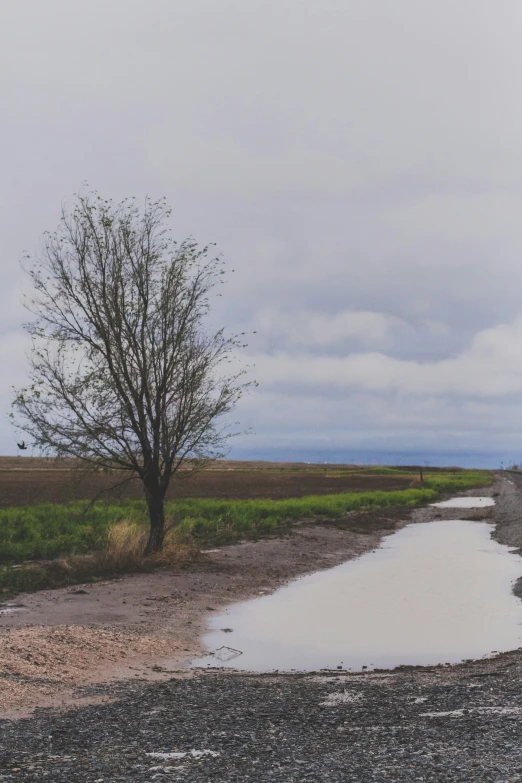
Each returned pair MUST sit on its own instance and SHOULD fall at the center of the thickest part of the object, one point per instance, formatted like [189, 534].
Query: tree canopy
[125, 372]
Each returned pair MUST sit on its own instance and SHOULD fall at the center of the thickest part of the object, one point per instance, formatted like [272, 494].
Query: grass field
[26, 481]
[52, 544]
[48, 530]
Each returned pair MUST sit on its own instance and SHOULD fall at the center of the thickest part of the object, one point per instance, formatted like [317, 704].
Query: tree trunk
[157, 521]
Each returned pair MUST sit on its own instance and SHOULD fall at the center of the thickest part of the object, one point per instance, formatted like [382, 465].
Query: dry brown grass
[126, 543]
[123, 554]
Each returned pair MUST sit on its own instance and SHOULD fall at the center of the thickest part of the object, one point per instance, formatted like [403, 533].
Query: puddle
[464, 503]
[437, 592]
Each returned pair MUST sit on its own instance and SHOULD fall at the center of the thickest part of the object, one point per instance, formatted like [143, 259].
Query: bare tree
[125, 374]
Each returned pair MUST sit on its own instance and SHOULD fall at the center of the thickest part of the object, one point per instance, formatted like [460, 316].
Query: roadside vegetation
[48, 545]
[124, 373]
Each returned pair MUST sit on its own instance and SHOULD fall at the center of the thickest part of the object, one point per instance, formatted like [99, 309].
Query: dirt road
[448, 723]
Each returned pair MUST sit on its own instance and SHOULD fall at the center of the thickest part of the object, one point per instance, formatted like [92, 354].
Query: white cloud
[380, 422]
[459, 217]
[490, 367]
[14, 346]
[315, 330]
[351, 160]
[436, 328]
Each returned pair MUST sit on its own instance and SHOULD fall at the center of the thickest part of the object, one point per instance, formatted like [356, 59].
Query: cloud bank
[358, 164]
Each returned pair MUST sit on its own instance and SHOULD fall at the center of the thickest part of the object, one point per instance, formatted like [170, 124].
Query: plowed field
[25, 481]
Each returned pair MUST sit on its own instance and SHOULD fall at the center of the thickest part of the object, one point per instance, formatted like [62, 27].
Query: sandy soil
[161, 616]
[150, 625]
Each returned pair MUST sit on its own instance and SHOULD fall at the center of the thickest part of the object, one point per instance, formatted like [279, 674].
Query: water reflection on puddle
[432, 593]
[465, 503]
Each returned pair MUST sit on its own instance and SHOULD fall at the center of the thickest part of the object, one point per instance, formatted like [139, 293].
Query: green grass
[213, 522]
[47, 531]
[458, 481]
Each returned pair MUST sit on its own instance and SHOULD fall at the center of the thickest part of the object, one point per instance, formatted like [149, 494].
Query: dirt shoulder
[437, 724]
[165, 612]
[149, 626]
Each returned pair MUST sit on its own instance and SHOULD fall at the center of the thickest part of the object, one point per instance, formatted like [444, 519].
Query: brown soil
[164, 612]
[150, 625]
[25, 481]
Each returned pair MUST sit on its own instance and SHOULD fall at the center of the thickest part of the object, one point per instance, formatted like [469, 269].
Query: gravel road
[460, 725]
[448, 723]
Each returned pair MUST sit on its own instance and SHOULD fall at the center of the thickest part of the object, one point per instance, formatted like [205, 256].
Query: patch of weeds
[122, 553]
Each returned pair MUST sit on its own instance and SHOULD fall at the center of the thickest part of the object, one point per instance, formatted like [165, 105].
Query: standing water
[437, 592]
[465, 502]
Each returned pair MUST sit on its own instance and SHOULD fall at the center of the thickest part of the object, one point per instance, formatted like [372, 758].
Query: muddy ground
[171, 606]
[447, 723]
[24, 481]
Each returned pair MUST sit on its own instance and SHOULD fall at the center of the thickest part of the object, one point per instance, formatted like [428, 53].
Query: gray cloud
[357, 163]
[490, 367]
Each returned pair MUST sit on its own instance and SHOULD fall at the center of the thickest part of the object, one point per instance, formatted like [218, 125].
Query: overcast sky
[357, 162]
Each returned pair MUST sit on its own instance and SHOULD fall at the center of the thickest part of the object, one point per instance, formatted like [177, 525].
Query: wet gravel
[359, 728]
[508, 514]
[449, 723]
